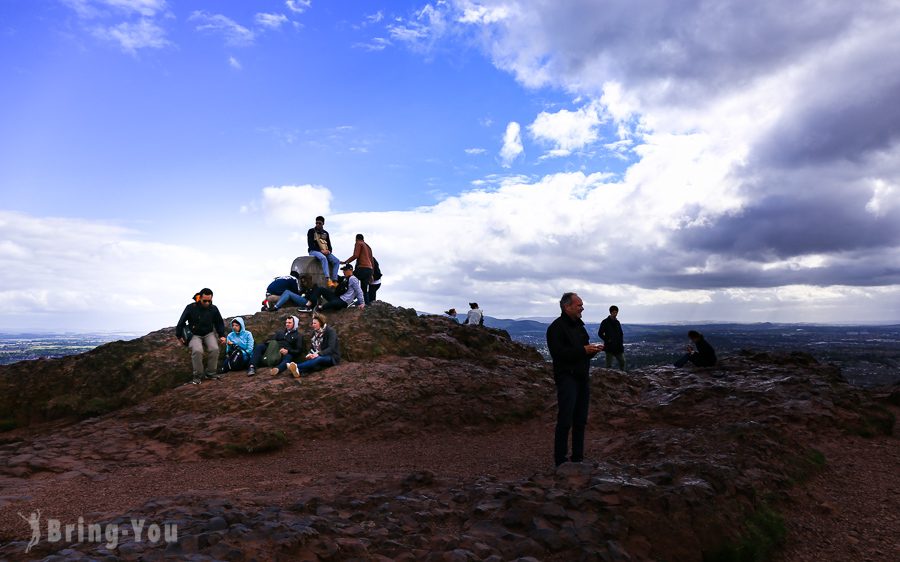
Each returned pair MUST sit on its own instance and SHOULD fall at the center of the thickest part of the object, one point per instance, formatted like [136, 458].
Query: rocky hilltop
[431, 441]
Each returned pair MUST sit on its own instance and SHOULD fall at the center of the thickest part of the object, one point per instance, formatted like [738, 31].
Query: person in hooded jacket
[290, 346]
[241, 339]
[324, 348]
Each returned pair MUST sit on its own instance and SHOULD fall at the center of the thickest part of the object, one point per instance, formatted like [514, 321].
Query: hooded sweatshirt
[242, 339]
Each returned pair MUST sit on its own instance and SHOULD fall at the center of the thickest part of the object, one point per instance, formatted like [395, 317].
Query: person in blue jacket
[239, 338]
[282, 290]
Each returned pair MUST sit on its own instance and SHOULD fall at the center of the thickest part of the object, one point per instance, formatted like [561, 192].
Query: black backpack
[376, 269]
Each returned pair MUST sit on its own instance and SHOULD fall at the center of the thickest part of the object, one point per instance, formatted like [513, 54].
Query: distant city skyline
[694, 161]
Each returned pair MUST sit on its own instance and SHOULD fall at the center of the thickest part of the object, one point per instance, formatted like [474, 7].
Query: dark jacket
[566, 338]
[201, 320]
[611, 334]
[330, 345]
[291, 341]
[705, 356]
[285, 283]
[311, 240]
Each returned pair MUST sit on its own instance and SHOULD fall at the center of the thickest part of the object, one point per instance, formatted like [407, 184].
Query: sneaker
[195, 380]
[304, 309]
[292, 367]
[251, 371]
[211, 377]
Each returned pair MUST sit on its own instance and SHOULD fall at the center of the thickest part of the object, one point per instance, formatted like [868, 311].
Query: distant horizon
[544, 320]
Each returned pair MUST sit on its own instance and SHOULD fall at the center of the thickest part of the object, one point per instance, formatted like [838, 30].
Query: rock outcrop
[688, 464]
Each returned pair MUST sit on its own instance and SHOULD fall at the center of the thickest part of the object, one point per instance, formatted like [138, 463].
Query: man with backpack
[365, 265]
[197, 329]
[289, 345]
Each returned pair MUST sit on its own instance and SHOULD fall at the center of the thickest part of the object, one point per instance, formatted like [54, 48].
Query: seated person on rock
[703, 356]
[290, 344]
[282, 290]
[238, 347]
[343, 295]
[203, 321]
[475, 317]
[308, 290]
[324, 349]
[318, 243]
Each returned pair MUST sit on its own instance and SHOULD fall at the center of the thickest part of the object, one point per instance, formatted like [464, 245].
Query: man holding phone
[571, 351]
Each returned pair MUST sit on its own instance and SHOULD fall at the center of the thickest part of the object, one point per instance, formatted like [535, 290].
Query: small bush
[764, 532]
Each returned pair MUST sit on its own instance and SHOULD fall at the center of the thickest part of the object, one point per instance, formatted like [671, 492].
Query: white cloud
[271, 21]
[144, 34]
[566, 130]
[100, 8]
[474, 151]
[234, 63]
[375, 18]
[512, 144]
[374, 44]
[234, 33]
[477, 13]
[884, 197]
[426, 27]
[283, 205]
[298, 6]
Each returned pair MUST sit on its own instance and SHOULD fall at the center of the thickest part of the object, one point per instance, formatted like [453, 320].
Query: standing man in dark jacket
[204, 321]
[571, 353]
[613, 338]
[318, 243]
[290, 345]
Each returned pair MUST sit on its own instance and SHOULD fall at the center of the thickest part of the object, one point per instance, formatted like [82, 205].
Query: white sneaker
[292, 367]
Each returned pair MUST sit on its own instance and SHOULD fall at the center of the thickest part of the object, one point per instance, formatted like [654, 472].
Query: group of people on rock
[475, 316]
[571, 352]
[344, 286]
[202, 329]
[201, 326]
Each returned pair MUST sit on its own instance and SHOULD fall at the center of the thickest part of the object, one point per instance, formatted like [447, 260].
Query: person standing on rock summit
[204, 321]
[571, 351]
[613, 338]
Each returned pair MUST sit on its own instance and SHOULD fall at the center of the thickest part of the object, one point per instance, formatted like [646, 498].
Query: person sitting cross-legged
[290, 346]
[324, 349]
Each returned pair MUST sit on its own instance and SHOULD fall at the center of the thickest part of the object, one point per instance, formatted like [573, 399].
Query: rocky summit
[430, 441]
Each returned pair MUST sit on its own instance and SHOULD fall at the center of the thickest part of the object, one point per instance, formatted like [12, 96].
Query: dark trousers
[258, 351]
[364, 274]
[695, 359]
[372, 290]
[573, 397]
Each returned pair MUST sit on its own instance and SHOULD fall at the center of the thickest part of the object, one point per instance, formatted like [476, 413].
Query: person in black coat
[197, 328]
[290, 344]
[701, 354]
[571, 352]
[613, 338]
[324, 348]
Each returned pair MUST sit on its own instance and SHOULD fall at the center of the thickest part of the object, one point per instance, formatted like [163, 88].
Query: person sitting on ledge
[318, 243]
[282, 290]
[324, 349]
[704, 356]
[475, 317]
[451, 314]
[240, 339]
[290, 342]
[343, 295]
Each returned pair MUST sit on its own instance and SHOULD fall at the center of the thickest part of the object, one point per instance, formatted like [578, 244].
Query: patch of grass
[805, 466]
[764, 532]
[8, 424]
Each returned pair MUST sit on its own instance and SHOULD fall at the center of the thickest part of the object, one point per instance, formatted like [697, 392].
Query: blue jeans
[290, 296]
[321, 361]
[330, 258]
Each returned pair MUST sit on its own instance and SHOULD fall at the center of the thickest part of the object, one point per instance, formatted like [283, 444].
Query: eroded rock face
[681, 458]
[124, 373]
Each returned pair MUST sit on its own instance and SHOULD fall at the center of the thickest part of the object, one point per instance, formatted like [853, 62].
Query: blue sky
[718, 161]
